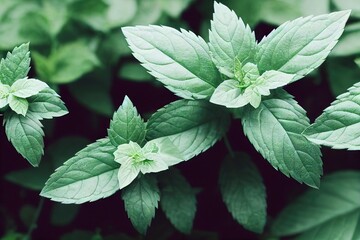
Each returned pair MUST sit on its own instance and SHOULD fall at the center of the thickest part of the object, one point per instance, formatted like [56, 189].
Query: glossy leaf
[88, 176]
[180, 60]
[178, 200]
[275, 128]
[141, 200]
[331, 212]
[300, 46]
[192, 126]
[243, 191]
[126, 125]
[338, 125]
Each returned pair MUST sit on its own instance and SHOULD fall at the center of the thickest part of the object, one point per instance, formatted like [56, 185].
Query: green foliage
[243, 191]
[331, 212]
[178, 200]
[337, 126]
[141, 200]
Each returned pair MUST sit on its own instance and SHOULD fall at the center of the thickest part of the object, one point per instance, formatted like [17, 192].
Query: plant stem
[33, 225]
[228, 146]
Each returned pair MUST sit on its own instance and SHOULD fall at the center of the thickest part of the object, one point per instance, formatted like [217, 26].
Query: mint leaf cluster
[235, 71]
[134, 149]
[24, 102]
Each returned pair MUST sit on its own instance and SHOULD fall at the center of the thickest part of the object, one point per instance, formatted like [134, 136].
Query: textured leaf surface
[338, 126]
[25, 87]
[180, 60]
[332, 211]
[26, 134]
[299, 46]
[126, 125]
[141, 200]
[178, 200]
[16, 65]
[47, 104]
[243, 191]
[192, 126]
[88, 176]
[275, 128]
[230, 39]
[18, 105]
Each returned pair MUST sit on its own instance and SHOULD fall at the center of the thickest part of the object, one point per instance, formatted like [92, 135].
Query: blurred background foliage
[78, 48]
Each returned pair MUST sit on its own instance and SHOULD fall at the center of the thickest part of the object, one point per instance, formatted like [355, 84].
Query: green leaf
[27, 87]
[145, 17]
[338, 125]
[230, 95]
[192, 126]
[348, 43]
[120, 12]
[18, 105]
[16, 65]
[26, 134]
[4, 93]
[187, 69]
[230, 39]
[300, 46]
[126, 125]
[243, 191]
[329, 213]
[178, 200]
[93, 91]
[275, 128]
[47, 104]
[276, 12]
[141, 199]
[88, 176]
[62, 67]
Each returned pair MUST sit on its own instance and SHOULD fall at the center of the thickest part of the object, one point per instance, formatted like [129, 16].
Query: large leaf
[88, 176]
[329, 213]
[47, 104]
[275, 128]
[178, 200]
[299, 46]
[230, 39]
[26, 134]
[141, 200]
[16, 65]
[338, 126]
[192, 126]
[180, 60]
[243, 191]
[126, 125]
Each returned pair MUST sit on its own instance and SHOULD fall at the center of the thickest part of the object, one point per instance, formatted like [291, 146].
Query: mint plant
[230, 77]
[24, 102]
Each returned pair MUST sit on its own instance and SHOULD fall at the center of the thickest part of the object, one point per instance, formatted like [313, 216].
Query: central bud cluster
[246, 74]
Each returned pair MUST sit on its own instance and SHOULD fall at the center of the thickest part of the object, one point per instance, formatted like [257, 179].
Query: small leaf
[230, 95]
[26, 135]
[192, 126]
[18, 105]
[126, 125]
[300, 46]
[4, 93]
[178, 200]
[180, 60]
[24, 88]
[141, 199]
[174, 8]
[127, 173]
[329, 213]
[275, 128]
[16, 65]
[243, 191]
[338, 125]
[88, 176]
[47, 104]
[230, 39]
[134, 72]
